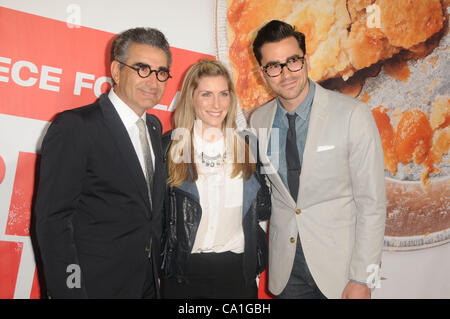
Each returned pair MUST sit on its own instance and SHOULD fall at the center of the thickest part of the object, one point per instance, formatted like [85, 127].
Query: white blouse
[220, 228]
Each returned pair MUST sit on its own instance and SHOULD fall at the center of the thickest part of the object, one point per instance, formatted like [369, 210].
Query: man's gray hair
[148, 36]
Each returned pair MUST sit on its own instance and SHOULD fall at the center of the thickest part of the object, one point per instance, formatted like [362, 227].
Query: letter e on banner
[4, 69]
[45, 78]
[15, 73]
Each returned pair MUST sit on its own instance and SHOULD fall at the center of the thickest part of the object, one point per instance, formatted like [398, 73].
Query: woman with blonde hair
[213, 244]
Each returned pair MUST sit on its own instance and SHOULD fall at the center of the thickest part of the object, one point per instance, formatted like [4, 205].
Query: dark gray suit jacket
[92, 207]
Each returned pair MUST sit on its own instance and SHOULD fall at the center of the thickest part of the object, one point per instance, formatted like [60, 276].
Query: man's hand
[354, 290]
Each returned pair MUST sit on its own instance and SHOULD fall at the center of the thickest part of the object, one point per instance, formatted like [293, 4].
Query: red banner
[47, 66]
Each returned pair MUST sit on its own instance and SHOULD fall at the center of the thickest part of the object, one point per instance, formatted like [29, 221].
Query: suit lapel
[125, 147]
[154, 130]
[317, 123]
[277, 183]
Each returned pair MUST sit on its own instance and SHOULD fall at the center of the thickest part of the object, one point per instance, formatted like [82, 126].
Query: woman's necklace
[213, 161]
[212, 154]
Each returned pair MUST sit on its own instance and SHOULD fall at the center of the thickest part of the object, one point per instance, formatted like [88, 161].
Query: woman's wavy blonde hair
[184, 118]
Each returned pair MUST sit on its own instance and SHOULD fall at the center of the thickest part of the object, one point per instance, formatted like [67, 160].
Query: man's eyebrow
[272, 62]
[162, 68]
[140, 63]
[288, 58]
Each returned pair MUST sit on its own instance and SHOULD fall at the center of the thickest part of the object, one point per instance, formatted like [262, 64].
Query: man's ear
[115, 71]
[308, 64]
[262, 75]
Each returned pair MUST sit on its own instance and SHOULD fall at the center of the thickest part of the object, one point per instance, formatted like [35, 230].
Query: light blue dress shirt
[281, 123]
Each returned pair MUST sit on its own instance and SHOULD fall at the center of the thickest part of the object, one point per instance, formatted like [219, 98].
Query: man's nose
[151, 80]
[283, 71]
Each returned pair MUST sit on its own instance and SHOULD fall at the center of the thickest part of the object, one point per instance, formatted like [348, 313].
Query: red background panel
[35, 290]
[263, 290]
[22, 196]
[44, 41]
[47, 42]
[10, 253]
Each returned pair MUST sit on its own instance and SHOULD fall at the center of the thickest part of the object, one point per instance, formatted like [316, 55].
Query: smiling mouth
[214, 114]
[289, 84]
[148, 93]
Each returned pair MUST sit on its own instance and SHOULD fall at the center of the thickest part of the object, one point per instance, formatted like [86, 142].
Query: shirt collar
[126, 114]
[305, 107]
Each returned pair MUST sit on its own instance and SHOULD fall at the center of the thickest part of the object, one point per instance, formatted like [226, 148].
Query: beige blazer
[341, 206]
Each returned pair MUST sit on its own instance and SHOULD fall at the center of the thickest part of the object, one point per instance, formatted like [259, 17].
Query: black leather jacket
[182, 218]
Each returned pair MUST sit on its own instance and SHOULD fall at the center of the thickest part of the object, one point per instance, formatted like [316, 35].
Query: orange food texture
[365, 97]
[412, 140]
[441, 145]
[387, 135]
[398, 69]
[244, 24]
[414, 137]
[440, 113]
[409, 22]
[365, 45]
[339, 38]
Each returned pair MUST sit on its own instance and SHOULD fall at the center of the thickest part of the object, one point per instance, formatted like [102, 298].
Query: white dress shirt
[129, 119]
[220, 228]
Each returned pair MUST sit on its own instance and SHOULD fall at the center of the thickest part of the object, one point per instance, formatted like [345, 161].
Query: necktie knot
[291, 119]
[141, 125]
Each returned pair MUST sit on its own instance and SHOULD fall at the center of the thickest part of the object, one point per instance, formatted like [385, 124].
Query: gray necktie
[147, 156]
[292, 157]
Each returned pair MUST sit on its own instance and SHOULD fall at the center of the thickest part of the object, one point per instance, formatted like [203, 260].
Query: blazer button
[298, 211]
[292, 239]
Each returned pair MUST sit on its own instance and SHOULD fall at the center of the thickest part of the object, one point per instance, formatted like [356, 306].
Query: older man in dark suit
[99, 201]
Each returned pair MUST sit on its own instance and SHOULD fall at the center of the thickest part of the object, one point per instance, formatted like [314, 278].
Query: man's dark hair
[275, 31]
[148, 36]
